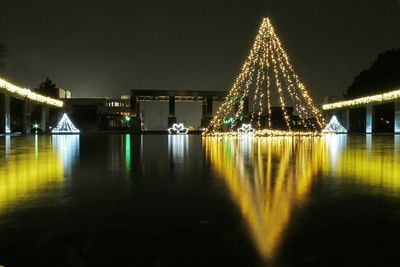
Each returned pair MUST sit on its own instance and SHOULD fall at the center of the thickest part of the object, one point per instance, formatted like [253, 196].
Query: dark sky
[107, 48]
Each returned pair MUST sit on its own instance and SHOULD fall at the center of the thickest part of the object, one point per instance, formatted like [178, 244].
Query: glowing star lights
[268, 78]
[246, 129]
[65, 126]
[334, 126]
[178, 129]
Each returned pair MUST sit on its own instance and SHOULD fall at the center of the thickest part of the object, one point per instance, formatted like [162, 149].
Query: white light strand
[23, 92]
[246, 129]
[65, 126]
[178, 129]
[334, 126]
[389, 96]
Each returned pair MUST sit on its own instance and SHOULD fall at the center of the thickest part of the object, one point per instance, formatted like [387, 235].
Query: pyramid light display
[334, 126]
[268, 78]
[65, 126]
[178, 128]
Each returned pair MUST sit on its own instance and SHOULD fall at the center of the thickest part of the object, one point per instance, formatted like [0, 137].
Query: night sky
[107, 48]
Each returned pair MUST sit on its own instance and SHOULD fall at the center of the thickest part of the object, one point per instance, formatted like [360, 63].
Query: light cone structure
[334, 126]
[65, 126]
[268, 94]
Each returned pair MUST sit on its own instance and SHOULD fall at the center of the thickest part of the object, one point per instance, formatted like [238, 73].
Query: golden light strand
[267, 60]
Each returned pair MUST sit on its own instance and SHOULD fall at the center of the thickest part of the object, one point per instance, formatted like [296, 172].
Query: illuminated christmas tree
[65, 126]
[334, 126]
[268, 93]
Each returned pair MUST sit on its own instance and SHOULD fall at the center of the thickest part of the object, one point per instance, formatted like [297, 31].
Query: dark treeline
[47, 88]
[383, 75]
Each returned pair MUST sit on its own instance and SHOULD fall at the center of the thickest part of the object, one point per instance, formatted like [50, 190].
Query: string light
[393, 95]
[246, 129]
[178, 128]
[266, 68]
[264, 133]
[65, 126]
[23, 92]
[334, 126]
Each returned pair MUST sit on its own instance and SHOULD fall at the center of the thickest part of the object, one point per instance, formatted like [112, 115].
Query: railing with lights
[380, 98]
[24, 92]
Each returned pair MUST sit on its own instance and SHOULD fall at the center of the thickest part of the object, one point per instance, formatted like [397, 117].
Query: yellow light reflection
[25, 170]
[373, 163]
[267, 178]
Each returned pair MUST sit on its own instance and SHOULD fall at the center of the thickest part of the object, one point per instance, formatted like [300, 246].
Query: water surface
[157, 200]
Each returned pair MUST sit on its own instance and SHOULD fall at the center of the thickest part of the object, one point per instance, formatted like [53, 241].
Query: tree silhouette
[48, 88]
[383, 75]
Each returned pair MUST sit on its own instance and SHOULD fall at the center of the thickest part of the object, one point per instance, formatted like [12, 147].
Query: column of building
[5, 117]
[369, 119]
[397, 117]
[136, 125]
[26, 116]
[171, 113]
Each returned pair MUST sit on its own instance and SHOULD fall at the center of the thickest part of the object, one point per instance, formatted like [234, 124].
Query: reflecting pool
[158, 200]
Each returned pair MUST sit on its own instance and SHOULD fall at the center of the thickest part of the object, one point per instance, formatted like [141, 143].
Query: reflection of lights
[263, 133]
[178, 128]
[29, 94]
[334, 126]
[178, 146]
[366, 164]
[335, 144]
[36, 145]
[246, 129]
[267, 178]
[65, 126]
[397, 140]
[67, 147]
[36, 126]
[7, 145]
[24, 172]
[127, 151]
